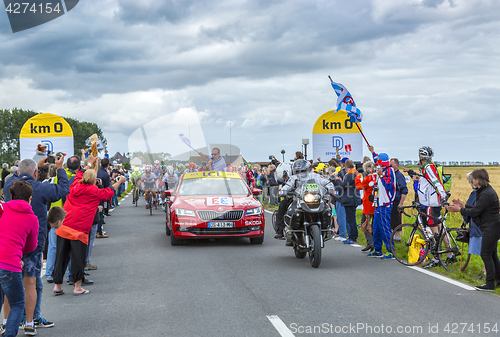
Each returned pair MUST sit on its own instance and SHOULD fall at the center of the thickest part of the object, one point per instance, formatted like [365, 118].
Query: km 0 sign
[46, 128]
[332, 130]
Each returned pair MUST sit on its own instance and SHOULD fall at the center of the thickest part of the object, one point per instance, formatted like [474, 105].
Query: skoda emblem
[220, 209]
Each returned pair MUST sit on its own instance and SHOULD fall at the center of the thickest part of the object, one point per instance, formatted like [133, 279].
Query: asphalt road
[146, 287]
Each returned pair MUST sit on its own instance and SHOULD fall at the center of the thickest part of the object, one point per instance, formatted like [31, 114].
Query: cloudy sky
[423, 72]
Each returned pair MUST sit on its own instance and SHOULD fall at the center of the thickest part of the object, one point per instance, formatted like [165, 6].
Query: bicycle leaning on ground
[417, 241]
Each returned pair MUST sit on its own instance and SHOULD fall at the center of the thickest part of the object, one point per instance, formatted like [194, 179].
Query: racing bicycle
[136, 196]
[416, 241]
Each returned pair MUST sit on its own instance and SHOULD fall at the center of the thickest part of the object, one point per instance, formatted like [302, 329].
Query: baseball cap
[382, 159]
[343, 160]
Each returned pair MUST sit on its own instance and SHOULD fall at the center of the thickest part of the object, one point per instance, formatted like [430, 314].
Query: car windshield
[210, 186]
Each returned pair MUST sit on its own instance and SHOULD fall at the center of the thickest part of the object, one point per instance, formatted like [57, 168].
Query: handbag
[463, 234]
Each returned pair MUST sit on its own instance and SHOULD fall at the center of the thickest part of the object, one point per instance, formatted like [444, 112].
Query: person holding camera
[43, 194]
[73, 235]
[273, 184]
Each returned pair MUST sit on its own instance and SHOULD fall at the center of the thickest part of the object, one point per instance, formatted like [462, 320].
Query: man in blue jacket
[349, 199]
[43, 194]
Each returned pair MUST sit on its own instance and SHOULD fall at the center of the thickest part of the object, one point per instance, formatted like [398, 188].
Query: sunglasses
[214, 154]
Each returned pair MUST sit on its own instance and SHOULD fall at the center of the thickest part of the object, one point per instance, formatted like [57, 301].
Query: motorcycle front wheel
[315, 249]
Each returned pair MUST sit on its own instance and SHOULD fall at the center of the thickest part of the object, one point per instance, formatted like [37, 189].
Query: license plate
[213, 224]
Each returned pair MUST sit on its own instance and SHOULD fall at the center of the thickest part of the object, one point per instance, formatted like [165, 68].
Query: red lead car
[214, 205]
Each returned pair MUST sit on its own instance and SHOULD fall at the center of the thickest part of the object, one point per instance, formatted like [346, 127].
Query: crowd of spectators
[38, 196]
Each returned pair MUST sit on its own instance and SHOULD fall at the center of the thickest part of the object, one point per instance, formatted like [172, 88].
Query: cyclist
[431, 194]
[170, 179]
[149, 184]
[136, 179]
[156, 168]
[191, 168]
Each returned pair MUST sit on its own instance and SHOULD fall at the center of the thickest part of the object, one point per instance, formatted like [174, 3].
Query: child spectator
[56, 216]
[18, 236]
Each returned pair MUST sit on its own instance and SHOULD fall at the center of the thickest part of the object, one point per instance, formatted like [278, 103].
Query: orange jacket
[367, 185]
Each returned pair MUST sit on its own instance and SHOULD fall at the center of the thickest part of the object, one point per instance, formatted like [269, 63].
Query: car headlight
[254, 211]
[309, 197]
[184, 212]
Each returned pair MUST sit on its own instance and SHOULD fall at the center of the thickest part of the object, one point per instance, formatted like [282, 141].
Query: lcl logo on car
[26, 14]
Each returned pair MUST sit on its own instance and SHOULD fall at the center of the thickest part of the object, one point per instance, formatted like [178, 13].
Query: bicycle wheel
[460, 251]
[403, 250]
[136, 196]
[150, 203]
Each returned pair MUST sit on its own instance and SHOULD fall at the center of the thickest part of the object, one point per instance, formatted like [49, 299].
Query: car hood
[200, 202]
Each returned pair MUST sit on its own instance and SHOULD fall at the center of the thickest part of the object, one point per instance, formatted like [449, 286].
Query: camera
[270, 157]
[50, 157]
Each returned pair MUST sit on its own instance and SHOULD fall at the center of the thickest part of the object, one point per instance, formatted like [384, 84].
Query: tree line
[12, 121]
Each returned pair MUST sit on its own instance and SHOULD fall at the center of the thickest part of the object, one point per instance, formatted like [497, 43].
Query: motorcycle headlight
[309, 197]
[254, 211]
[184, 212]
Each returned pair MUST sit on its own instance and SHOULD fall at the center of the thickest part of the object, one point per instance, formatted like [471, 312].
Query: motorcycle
[308, 221]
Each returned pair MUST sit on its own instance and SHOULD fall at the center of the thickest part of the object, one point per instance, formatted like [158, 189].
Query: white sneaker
[338, 238]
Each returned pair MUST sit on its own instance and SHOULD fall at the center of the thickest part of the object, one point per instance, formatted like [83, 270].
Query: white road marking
[280, 326]
[430, 273]
[443, 278]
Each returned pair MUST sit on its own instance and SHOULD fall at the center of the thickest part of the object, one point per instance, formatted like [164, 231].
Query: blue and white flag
[346, 102]
[185, 139]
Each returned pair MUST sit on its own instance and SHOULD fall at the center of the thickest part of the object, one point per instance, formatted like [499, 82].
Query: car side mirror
[256, 191]
[169, 192]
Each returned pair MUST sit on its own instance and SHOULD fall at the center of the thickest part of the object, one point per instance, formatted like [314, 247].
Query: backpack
[416, 247]
[445, 178]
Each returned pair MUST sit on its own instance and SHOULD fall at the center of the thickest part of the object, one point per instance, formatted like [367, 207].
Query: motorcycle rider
[301, 171]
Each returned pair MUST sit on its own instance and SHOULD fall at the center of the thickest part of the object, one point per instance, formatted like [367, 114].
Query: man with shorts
[149, 184]
[136, 182]
[431, 194]
[43, 194]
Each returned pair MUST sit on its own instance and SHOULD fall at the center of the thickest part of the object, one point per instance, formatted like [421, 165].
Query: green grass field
[460, 190]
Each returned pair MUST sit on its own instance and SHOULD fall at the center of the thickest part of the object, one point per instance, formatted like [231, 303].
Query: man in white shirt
[216, 163]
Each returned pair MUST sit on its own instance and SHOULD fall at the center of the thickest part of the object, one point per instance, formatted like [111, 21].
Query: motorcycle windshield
[307, 184]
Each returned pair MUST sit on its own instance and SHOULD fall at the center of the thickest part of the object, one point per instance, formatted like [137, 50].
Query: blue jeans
[93, 231]
[114, 199]
[101, 222]
[11, 284]
[51, 253]
[341, 220]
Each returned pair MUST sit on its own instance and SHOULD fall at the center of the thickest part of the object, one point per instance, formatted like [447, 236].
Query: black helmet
[300, 165]
[425, 152]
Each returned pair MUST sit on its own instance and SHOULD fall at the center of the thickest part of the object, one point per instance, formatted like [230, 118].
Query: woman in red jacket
[366, 182]
[73, 235]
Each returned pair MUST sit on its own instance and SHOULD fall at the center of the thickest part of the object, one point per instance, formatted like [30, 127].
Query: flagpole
[362, 134]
